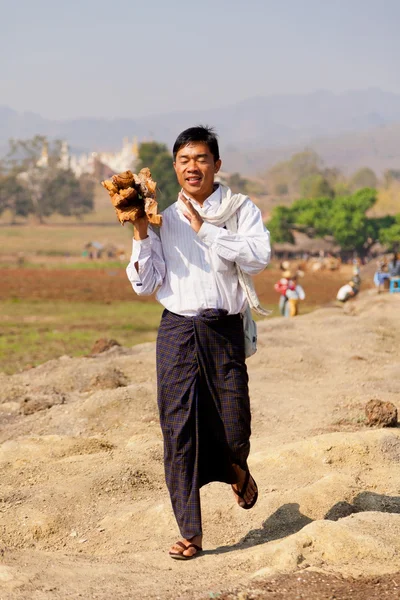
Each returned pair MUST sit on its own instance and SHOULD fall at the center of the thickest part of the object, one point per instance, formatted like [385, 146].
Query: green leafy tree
[350, 225]
[69, 196]
[390, 236]
[281, 224]
[344, 217]
[167, 184]
[313, 215]
[381, 223]
[14, 197]
[156, 157]
[149, 151]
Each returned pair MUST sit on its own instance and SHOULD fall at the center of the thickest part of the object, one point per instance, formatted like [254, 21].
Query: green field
[43, 262]
[32, 332]
[57, 263]
[59, 240]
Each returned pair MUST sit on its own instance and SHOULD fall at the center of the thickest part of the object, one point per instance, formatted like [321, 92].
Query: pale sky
[124, 58]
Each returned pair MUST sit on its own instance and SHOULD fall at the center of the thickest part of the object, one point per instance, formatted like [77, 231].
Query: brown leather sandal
[181, 556]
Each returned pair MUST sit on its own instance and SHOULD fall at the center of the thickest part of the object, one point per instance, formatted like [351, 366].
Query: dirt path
[83, 506]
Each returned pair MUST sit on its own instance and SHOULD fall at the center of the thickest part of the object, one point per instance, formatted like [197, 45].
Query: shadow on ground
[288, 519]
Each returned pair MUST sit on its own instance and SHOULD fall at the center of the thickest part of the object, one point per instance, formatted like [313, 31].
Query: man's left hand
[191, 214]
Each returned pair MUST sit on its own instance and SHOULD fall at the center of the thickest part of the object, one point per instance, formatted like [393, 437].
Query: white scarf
[226, 214]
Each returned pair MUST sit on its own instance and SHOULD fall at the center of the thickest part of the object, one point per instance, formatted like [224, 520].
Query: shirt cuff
[141, 249]
[209, 233]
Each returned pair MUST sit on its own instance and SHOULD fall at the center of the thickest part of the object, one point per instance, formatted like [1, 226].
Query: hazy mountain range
[349, 130]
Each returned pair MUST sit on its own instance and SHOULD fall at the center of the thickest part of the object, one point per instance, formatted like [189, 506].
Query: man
[347, 291]
[197, 265]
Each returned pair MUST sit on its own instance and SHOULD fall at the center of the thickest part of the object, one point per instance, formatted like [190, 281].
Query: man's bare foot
[186, 547]
[251, 489]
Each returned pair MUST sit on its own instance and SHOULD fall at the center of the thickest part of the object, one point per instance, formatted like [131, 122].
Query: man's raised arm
[146, 269]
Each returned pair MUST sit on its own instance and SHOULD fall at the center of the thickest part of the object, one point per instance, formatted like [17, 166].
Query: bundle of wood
[133, 196]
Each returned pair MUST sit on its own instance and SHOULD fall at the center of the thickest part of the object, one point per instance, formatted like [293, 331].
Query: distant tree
[341, 188]
[243, 185]
[149, 151]
[333, 176]
[156, 157]
[67, 195]
[285, 177]
[390, 236]
[35, 183]
[390, 176]
[24, 154]
[167, 184]
[278, 179]
[27, 188]
[14, 197]
[315, 186]
[254, 187]
[382, 223]
[343, 217]
[304, 164]
[363, 178]
[237, 183]
[280, 225]
[313, 215]
[281, 189]
[349, 223]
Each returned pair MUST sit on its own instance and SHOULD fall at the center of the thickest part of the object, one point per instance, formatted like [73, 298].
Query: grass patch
[69, 264]
[61, 240]
[32, 332]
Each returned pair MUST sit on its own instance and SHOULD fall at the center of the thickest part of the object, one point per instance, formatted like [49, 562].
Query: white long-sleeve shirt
[193, 271]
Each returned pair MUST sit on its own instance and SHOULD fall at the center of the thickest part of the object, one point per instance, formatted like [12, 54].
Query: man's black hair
[201, 133]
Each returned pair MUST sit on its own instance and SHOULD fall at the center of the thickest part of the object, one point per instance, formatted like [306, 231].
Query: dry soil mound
[83, 506]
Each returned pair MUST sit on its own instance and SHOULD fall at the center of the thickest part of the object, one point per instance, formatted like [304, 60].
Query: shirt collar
[212, 200]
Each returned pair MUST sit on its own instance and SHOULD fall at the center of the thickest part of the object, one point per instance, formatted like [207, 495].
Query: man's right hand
[140, 228]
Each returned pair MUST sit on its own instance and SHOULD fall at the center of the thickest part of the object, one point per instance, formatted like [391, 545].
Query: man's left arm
[250, 247]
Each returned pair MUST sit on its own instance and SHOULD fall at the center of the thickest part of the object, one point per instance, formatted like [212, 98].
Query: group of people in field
[291, 292]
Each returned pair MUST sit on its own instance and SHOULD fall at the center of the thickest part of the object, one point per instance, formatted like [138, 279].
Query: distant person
[285, 265]
[210, 243]
[347, 291]
[294, 296]
[381, 275]
[394, 265]
[356, 278]
[282, 286]
[290, 294]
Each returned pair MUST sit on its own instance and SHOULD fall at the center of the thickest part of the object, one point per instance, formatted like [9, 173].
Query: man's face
[195, 169]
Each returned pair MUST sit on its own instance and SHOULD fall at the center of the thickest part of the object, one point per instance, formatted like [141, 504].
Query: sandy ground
[83, 507]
